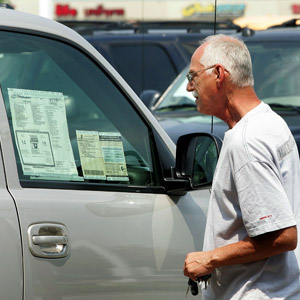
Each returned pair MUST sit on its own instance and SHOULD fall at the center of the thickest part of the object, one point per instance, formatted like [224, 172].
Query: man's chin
[199, 104]
[201, 110]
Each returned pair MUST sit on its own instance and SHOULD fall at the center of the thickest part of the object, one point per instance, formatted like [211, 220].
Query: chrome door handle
[48, 240]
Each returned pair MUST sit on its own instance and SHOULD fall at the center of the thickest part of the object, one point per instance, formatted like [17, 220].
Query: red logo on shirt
[265, 217]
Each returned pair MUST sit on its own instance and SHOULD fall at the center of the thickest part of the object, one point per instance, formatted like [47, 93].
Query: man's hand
[197, 264]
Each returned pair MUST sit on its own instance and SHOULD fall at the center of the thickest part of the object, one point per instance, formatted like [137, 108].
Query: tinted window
[69, 121]
[144, 67]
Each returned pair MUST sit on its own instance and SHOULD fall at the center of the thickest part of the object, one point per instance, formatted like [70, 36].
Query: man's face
[201, 83]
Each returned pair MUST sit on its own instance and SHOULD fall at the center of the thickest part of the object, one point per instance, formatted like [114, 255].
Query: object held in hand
[205, 280]
[193, 285]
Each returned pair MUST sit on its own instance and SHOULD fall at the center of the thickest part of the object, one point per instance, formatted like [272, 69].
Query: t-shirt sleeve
[262, 199]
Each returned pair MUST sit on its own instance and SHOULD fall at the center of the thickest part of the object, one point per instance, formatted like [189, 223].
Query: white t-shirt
[256, 189]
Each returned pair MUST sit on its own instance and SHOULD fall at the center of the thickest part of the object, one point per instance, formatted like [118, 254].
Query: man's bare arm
[248, 250]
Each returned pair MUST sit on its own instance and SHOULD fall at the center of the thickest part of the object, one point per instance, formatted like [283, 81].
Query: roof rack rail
[290, 23]
[246, 31]
[189, 26]
[89, 27]
[6, 5]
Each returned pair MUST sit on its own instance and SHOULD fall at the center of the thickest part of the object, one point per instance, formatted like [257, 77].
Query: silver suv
[93, 203]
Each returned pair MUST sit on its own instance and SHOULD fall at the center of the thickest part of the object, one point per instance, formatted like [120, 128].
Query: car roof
[25, 22]
[273, 34]
[12, 18]
[91, 27]
[142, 37]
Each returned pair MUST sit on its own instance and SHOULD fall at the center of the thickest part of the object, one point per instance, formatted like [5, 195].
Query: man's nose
[190, 86]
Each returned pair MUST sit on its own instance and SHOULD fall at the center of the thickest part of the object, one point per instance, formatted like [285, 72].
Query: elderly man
[250, 244]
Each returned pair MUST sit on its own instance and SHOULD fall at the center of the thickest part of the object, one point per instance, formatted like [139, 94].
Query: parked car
[93, 203]
[148, 55]
[275, 56]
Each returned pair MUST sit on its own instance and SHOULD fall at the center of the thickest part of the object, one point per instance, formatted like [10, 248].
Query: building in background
[247, 12]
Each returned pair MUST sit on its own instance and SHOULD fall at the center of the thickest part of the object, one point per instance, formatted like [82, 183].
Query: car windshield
[177, 97]
[275, 69]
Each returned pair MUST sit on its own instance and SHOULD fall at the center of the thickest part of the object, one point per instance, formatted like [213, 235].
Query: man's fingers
[189, 269]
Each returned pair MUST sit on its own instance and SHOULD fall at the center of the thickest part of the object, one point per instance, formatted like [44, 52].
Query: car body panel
[120, 244]
[11, 283]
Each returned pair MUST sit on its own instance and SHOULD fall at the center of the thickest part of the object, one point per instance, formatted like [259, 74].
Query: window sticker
[35, 148]
[92, 162]
[41, 134]
[113, 153]
[102, 155]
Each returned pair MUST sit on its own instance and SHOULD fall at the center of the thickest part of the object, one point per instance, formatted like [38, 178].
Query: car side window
[70, 122]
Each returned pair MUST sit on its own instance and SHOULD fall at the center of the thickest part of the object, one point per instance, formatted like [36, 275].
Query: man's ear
[220, 74]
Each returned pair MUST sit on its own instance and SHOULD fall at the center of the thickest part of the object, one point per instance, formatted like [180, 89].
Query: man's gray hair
[233, 54]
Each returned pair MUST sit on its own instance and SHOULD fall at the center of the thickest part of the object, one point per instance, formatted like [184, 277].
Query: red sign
[65, 10]
[296, 8]
[100, 10]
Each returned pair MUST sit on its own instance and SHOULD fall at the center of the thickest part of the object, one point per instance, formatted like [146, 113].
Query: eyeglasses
[190, 75]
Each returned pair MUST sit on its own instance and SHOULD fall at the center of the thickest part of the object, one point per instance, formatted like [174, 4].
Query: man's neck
[239, 103]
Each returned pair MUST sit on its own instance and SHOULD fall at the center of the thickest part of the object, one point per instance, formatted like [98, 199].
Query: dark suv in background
[275, 55]
[148, 55]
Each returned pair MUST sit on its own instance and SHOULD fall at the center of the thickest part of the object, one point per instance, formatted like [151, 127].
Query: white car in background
[94, 204]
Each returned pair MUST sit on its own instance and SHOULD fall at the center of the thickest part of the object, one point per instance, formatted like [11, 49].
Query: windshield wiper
[285, 107]
[186, 106]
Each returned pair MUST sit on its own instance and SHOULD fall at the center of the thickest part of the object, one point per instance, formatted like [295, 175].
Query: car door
[83, 166]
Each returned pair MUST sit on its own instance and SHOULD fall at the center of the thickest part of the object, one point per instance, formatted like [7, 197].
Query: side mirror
[150, 97]
[196, 159]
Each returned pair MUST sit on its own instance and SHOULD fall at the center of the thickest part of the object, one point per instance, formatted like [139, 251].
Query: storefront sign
[199, 10]
[64, 10]
[101, 11]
